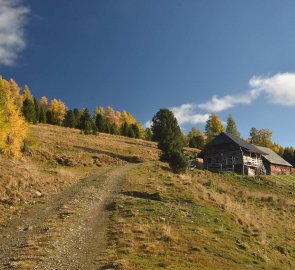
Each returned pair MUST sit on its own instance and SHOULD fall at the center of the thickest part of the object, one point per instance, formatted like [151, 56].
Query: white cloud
[279, 89]
[186, 114]
[217, 104]
[13, 17]
[147, 124]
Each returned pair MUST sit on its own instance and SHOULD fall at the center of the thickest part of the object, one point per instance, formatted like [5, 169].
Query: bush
[178, 162]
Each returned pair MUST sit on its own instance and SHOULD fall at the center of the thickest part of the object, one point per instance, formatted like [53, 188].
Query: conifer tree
[44, 102]
[37, 109]
[125, 129]
[198, 141]
[15, 90]
[100, 123]
[27, 94]
[213, 127]
[49, 118]
[42, 116]
[131, 133]
[77, 114]
[167, 132]
[13, 128]
[70, 120]
[28, 110]
[136, 131]
[231, 126]
[85, 122]
[59, 111]
[114, 129]
[148, 134]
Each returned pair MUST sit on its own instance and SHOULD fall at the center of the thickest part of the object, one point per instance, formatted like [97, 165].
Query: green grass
[202, 220]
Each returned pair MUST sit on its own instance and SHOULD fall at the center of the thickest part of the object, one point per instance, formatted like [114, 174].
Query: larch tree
[44, 102]
[27, 94]
[261, 137]
[213, 127]
[13, 127]
[231, 126]
[15, 90]
[59, 111]
[197, 138]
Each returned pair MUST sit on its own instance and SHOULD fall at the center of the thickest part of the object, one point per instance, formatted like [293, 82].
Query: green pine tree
[37, 109]
[168, 134]
[231, 127]
[28, 110]
[49, 118]
[85, 122]
[100, 122]
[125, 129]
[148, 134]
[77, 114]
[42, 116]
[136, 131]
[70, 120]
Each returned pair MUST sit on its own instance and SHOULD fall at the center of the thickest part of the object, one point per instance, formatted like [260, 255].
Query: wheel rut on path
[66, 231]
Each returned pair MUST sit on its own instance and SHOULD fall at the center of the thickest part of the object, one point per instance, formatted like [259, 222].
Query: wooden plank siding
[230, 157]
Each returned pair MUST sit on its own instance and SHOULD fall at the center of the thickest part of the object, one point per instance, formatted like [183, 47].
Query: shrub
[178, 162]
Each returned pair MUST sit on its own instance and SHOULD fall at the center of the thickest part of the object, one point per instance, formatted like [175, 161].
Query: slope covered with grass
[57, 157]
[202, 220]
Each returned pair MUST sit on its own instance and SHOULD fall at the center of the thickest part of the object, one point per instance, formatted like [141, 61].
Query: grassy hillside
[202, 220]
[57, 157]
[160, 220]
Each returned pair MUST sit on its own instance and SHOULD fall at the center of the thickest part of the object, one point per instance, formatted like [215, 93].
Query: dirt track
[66, 231]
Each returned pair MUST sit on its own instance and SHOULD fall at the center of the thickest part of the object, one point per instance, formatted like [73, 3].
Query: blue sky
[195, 57]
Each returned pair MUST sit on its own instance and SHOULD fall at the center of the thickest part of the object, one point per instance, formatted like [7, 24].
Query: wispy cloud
[186, 113]
[277, 89]
[13, 18]
[218, 104]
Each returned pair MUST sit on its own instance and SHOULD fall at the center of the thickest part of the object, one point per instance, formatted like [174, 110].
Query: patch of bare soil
[66, 231]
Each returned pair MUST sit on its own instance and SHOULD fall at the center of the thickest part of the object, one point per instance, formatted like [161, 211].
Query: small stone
[38, 193]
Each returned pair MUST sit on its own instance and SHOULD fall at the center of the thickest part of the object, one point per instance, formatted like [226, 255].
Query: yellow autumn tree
[59, 111]
[27, 94]
[44, 102]
[13, 127]
[110, 115]
[15, 91]
[99, 110]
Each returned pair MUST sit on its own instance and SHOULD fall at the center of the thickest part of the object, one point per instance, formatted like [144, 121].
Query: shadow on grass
[130, 159]
[143, 195]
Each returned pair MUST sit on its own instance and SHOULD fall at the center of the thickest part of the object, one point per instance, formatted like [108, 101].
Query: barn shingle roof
[273, 157]
[224, 137]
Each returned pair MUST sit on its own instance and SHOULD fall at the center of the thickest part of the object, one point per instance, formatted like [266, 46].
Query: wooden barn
[273, 163]
[230, 153]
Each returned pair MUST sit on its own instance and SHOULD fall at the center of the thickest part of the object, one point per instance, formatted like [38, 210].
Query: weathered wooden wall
[279, 169]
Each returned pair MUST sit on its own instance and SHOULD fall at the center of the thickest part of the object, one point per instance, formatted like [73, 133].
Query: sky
[193, 57]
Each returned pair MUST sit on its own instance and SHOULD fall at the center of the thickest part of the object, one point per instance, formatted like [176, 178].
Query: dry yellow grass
[57, 157]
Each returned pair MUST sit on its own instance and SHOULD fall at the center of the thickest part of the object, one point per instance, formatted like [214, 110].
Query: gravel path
[66, 231]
